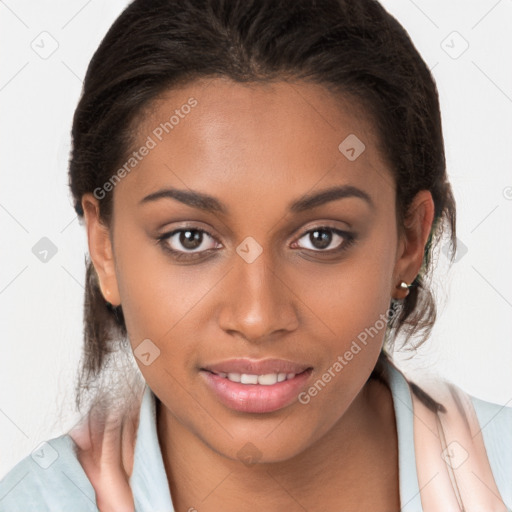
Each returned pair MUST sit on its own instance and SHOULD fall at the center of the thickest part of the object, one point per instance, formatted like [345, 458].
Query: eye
[187, 242]
[191, 243]
[322, 237]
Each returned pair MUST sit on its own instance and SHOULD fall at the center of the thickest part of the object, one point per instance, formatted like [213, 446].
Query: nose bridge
[257, 301]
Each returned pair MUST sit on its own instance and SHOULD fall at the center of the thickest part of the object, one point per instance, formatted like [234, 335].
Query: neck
[355, 465]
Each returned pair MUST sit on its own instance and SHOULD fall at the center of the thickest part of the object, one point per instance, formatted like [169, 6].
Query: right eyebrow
[190, 198]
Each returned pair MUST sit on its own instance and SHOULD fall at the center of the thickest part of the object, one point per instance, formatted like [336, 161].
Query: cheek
[146, 285]
[351, 296]
[161, 300]
[351, 305]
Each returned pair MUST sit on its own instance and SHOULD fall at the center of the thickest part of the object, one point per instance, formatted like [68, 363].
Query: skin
[257, 148]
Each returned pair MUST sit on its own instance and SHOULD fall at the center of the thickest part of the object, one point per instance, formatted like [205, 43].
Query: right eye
[184, 243]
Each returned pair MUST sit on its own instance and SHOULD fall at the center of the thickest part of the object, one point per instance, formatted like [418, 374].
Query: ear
[411, 245]
[100, 249]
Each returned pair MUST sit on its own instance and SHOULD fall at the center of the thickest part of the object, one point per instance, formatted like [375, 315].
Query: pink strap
[105, 448]
[454, 473]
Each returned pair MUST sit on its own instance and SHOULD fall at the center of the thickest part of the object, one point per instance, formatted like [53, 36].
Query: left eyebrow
[310, 201]
[307, 202]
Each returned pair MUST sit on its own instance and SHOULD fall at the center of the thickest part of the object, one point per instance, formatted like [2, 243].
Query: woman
[263, 186]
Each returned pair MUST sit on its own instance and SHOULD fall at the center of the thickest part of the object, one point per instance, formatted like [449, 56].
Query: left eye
[322, 237]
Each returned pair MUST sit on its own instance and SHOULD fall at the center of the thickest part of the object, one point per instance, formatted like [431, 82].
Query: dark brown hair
[355, 48]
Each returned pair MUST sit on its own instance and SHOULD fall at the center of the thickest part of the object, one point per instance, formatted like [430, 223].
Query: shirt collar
[148, 480]
[410, 500]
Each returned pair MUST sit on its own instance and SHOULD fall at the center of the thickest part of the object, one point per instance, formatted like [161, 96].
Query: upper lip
[256, 366]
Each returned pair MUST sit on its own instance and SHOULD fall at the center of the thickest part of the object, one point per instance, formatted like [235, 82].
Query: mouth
[256, 393]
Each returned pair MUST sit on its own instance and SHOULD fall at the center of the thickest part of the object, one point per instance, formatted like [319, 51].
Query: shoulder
[49, 479]
[493, 418]
[491, 421]
[496, 428]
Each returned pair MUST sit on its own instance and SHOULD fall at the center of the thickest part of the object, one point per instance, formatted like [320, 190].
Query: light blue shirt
[52, 479]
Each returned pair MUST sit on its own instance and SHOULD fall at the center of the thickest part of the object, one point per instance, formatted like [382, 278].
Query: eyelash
[350, 239]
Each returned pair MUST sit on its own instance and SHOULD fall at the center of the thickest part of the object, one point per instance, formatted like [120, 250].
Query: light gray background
[41, 303]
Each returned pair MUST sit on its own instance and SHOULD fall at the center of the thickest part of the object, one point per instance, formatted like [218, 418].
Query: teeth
[248, 379]
[265, 380]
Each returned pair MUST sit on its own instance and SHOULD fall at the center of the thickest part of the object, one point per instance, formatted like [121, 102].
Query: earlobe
[416, 229]
[100, 249]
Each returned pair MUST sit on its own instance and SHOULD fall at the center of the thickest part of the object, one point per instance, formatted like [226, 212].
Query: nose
[257, 300]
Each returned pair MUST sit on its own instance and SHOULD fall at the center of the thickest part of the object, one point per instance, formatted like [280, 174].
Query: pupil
[322, 241]
[189, 239]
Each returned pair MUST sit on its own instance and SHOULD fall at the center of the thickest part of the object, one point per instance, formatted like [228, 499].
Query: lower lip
[256, 397]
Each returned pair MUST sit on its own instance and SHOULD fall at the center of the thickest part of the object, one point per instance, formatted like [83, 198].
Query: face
[294, 255]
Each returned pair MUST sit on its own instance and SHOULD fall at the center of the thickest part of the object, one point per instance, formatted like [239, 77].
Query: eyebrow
[209, 203]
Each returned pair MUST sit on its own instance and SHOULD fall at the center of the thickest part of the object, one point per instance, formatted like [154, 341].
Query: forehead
[254, 138]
